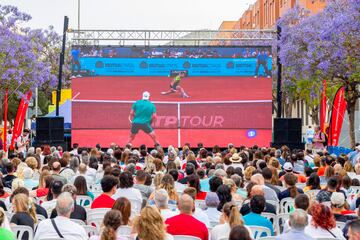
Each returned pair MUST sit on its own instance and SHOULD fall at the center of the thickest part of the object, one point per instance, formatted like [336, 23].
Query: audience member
[108, 186]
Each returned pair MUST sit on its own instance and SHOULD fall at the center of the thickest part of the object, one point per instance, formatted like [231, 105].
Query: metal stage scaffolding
[174, 37]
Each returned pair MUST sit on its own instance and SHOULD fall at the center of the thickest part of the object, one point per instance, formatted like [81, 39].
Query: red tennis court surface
[199, 88]
[237, 105]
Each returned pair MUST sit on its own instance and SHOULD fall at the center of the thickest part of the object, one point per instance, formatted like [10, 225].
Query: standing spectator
[61, 226]
[319, 139]
[323, 224]
[298, 221]
[309, 135]
[185, 223]
[254, 218]
[105, 200]
[111, 223]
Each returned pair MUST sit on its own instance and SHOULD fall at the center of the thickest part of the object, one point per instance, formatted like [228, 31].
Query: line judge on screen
[142, 114]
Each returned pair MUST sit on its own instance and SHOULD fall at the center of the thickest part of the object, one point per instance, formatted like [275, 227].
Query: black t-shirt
[184, 180]
[78, 213]
[40, 210]
[7, 180]
[23, 218]
[269, 208]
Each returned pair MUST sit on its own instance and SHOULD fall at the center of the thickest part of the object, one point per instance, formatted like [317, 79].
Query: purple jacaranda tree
[28, 58]
[323, 46]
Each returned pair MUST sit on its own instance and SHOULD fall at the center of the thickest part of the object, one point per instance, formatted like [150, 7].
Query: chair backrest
[280, 221]
[258, 231]
[200, 204]
[340, 225]
[270, 216]
[96, 187]
[312, 194]
[328, 239]
[287, 205]
[52, 239]
[9, 215]
[124, 230]
[78, 221]
[268, 238]
[95, 216]
[213, 224]
[223, 238]
[20, 230]
[185, 237]
[300, 185]
[83, 200]
[40, 217]
[275, 204]
[7, 190]
[135, 205]
[90, 230]
[355, 190]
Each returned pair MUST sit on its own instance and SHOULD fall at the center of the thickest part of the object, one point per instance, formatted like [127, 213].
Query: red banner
[5, 119]
[20, 116]
[337, 117]
[323, 108]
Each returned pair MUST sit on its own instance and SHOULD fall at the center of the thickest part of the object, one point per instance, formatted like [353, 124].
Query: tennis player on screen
[142, 114]
[175, 86]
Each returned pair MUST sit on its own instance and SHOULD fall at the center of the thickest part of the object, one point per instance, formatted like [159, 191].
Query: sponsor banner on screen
[122, 61]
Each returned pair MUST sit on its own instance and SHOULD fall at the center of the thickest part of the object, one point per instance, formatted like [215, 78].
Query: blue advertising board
[163, 66]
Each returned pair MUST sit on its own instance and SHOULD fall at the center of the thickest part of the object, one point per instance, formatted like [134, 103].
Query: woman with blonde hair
[110, 225]
[229, 219]
[25, 212]
[235, 196]
[275, 177]
[167, 183]
[150, 225]
[157, 179]
[248, 172]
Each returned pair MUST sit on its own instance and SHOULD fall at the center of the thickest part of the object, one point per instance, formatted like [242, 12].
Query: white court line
[164, 102]
[73, 99]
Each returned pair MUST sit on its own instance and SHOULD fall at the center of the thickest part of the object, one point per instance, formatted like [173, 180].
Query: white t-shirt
[49, 205]
[201, 216]
[213, 214]
[69, 229]
[132, 194]
[167, 213]
[323, 233]
[223, 231]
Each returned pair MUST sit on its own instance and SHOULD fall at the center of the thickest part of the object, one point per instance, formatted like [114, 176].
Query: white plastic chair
[340, 225]
[135, 205]
[287, 205]
[258, 231]
[7, 190]
[9, 215]
[271, 217]
[280, 221]
[95, 216]
[300, 185]
[268, 238]
[355, 190]
[281, 188]
[78, 221]
[95, 187]
[90, 230]
[312, 194]
[124, 231]
[83, 200]
[275, 204]
[213, 224]
[20, 230]
[223, 238]
[185, 237]
[200, 204]
[52, 239]
[40, 217]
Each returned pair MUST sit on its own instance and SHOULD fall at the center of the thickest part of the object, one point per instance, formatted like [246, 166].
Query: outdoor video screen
[213, 95]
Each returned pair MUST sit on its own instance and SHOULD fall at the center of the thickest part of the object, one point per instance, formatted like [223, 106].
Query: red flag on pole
[5, 119]
[20, 116]
[323, 108]
[337, 117]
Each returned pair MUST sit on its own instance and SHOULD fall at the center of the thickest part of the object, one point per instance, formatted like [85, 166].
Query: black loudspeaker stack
[50, 131]
[287, 131]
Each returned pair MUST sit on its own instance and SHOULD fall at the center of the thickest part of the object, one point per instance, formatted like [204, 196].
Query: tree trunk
[350, 107]
[314, 112]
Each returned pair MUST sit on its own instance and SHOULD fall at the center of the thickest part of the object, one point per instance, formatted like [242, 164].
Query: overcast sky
[132, 14]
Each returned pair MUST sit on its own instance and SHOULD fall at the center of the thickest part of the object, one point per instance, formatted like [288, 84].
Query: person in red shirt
[108, 185]
[194, 181]
[185, 223]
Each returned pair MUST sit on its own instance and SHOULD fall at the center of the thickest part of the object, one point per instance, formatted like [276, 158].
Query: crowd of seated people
[134, 193]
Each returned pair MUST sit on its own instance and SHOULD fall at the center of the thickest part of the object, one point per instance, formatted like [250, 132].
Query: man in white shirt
[161, 199]
[22, 142]
[75, 151]
[61, 226]
[128, 191]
